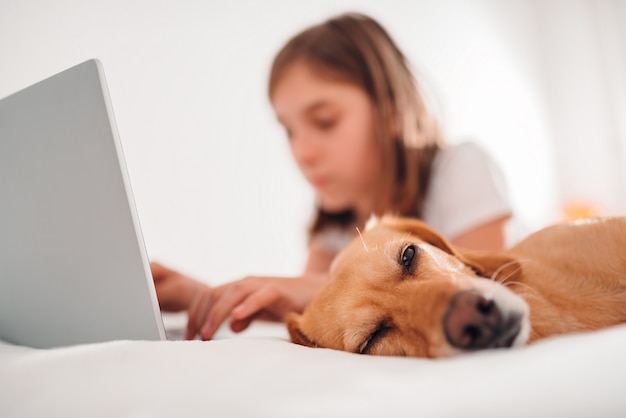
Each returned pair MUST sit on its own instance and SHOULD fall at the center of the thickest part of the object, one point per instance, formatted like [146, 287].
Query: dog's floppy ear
[295, 332]
[491, 265]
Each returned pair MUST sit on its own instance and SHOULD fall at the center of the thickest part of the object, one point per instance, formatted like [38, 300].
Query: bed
[259, 373]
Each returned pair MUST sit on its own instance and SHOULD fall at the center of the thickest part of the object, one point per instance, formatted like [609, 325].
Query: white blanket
[261, 374]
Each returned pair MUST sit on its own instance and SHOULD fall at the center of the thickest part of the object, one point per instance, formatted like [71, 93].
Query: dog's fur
[402, 289]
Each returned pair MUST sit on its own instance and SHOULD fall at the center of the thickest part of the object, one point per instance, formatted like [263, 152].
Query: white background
[540, 83]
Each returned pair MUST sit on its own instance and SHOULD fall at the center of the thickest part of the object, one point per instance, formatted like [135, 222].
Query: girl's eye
[325, 124]
[408, 257]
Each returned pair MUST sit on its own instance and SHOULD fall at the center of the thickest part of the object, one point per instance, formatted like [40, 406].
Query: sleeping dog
[402, 289]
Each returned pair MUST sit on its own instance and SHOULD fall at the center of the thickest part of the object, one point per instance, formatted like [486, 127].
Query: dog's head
[402, 289]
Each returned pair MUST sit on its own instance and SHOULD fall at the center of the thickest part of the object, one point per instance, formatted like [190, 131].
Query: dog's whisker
[501, 269]
[511, 274]
[494, 276]
[362, 240]
[520, 284]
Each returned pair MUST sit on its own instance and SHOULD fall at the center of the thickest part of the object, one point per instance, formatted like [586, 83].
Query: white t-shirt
[467, 189]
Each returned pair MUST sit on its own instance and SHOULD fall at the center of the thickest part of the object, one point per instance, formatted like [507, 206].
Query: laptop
[73, 265]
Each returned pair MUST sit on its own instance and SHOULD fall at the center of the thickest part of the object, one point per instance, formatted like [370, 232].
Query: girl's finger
[221, 309]
[198, 311]
[255, 302]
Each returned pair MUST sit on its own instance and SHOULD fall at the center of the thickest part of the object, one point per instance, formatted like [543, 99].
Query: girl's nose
[304, 150]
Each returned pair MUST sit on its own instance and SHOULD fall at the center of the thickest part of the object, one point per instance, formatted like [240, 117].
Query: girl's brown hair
[356, 48]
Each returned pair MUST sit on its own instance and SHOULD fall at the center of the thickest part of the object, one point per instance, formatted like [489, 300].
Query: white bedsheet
[261, 374]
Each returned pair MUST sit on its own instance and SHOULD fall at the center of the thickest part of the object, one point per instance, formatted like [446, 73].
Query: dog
[401, 289]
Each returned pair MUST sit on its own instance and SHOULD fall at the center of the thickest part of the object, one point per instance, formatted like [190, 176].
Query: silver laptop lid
[73, 266]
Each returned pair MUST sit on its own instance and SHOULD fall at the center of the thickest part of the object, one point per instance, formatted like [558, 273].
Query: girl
[361, 135]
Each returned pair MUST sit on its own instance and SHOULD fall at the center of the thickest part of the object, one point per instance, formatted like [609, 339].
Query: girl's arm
[244, 300]
[256, 297]
[319, 260]
[175, 291]
[487, 237]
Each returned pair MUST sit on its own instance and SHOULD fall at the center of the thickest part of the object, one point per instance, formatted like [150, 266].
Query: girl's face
[331, 130]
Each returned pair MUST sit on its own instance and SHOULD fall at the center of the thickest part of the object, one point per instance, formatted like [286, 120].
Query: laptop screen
[73, 266]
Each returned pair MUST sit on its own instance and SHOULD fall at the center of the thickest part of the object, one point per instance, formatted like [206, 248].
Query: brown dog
[402, 289]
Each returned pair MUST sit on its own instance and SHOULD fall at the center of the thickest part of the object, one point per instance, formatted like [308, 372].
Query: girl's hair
[355, 48]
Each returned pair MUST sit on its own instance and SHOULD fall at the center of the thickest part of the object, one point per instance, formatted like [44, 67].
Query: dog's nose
[474, 321]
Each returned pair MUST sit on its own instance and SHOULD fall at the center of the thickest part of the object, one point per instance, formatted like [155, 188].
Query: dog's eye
[407, 258]
[382, 329]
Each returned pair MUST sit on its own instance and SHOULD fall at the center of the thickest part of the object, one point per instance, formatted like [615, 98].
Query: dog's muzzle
[474, 321]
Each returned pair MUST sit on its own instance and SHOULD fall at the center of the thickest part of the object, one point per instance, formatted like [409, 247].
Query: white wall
[583, 50]
[216, 190]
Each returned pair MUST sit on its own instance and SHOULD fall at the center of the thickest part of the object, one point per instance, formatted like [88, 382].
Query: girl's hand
[245, 300]
[174, 290]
